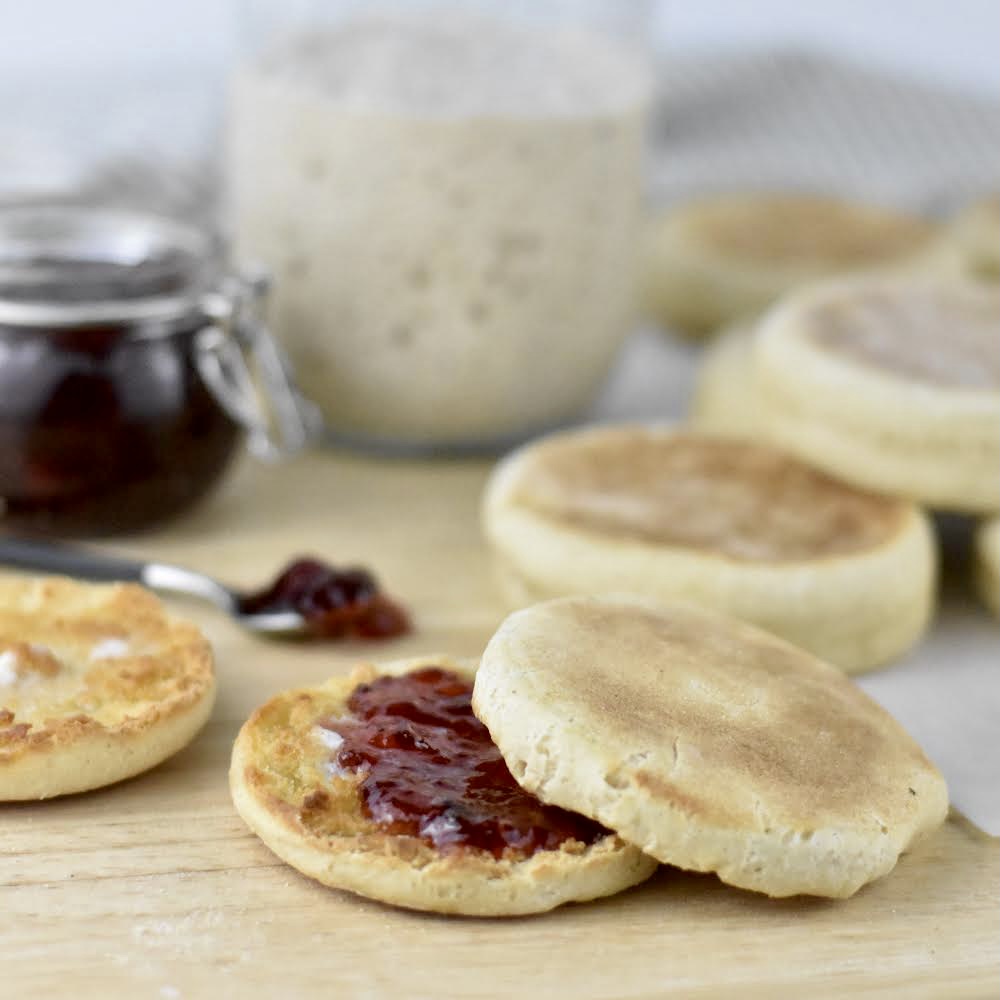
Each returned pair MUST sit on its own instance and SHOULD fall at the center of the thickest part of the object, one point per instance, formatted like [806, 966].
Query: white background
[85, 82]
[955, 41]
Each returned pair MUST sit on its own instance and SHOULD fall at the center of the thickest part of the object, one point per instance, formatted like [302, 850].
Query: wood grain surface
[154, 888]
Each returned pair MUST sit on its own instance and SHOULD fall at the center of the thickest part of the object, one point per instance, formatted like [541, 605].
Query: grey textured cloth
[780, 120]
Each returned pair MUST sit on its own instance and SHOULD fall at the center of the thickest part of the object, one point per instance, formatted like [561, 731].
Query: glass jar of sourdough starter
[448, 196]
[131, 365]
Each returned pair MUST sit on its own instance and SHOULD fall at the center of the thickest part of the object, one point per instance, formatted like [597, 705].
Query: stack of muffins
[851, 385]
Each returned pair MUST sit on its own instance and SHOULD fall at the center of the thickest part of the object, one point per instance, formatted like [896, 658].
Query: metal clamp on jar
[131, 364]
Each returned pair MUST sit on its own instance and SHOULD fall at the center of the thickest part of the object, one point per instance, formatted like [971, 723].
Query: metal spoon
[52, 557]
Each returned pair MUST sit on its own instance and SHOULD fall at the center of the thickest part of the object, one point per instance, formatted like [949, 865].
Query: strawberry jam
[431, 771]
[334, 603]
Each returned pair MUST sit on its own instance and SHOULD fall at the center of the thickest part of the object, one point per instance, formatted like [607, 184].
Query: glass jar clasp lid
[249, 373]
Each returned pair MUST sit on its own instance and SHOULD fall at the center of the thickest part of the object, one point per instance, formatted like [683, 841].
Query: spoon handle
[55, 557]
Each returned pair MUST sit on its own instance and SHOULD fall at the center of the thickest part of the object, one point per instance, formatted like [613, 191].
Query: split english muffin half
[386, 812]
[707, 743]
[740, 527]
[96, 684]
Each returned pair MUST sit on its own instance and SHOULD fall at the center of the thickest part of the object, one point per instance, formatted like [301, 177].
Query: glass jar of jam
[132, 364]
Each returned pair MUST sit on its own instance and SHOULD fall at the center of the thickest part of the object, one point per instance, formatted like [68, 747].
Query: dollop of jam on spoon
[334, 603]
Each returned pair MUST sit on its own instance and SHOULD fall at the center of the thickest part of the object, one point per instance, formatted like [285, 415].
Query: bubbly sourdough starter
[450, 213]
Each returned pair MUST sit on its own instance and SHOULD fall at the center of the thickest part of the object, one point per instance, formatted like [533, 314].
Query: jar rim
[64, 264]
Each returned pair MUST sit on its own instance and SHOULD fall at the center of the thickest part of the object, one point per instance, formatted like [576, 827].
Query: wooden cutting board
[154, 888]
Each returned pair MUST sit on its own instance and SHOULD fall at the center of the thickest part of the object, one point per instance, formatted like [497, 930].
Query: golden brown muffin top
[744, 501]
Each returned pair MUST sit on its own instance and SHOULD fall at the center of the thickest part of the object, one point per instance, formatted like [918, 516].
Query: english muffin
[727, 257]
[893, 385]
[96, 684]
[725, 391]
[709, 744]
[729, 524]
[385, 784]
[987, 563]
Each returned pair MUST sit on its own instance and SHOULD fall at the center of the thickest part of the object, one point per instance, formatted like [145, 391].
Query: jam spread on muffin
[430, 770]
